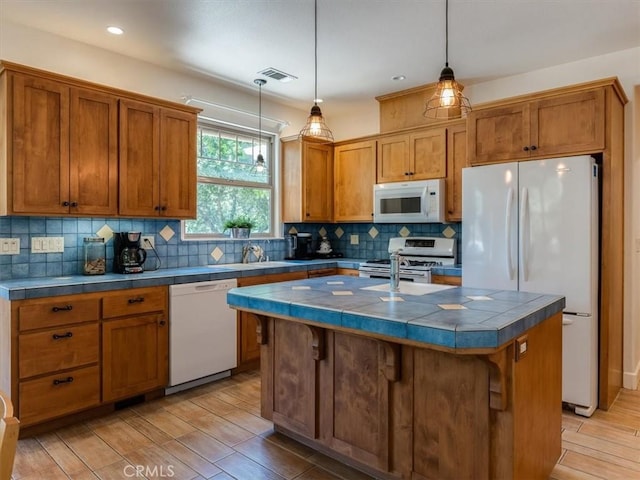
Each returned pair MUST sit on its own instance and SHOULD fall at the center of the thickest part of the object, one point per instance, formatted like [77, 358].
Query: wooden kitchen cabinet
[157, 161]
[63, 148]
[56, 348]
[419, 155]
[67, 354]
[63, 155]
[248, 347]
[542, 126]
[307, 181]
[354, 177]
[456, 161]
[135, 345]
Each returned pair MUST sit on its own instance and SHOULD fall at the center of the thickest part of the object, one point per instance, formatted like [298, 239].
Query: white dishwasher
[202, 335]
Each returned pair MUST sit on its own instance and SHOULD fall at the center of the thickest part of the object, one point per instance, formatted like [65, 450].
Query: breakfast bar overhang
[428, 382]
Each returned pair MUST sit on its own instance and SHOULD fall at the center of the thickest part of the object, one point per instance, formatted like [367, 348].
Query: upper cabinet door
[139, 159]
[317, 171]
[178, 176]
[456, 161]
[40, 146]
[393, 159]
[498, 134]
[571, 123]
[354, 177]
[93, 179]
[428, 153]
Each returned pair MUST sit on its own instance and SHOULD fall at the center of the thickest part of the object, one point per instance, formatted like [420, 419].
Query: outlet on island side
[148, 241]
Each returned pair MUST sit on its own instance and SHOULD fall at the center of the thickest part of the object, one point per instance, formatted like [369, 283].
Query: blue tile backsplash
[176, 252]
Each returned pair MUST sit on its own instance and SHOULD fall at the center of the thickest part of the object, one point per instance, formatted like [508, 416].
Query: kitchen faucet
[248, 248]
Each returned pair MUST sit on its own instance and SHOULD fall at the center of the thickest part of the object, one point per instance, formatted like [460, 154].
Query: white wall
[56, 54]
[49, 52]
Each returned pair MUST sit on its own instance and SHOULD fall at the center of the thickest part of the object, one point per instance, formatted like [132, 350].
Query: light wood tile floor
[215, 431]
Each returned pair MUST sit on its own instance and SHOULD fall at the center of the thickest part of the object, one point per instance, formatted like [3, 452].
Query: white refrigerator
[533, 226]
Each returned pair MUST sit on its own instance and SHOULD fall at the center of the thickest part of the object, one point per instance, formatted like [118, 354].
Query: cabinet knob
[406, 173]
[162, 323]
[308, 214]
[66, 308]
[526, 149]
[74, 204]
[157, 208]
[163, 208]
[533, 147]
[65, 204]
[136, 300]
[58, 336]
[64, 380]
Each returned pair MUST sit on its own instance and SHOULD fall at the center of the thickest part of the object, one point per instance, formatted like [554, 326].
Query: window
[229, 184]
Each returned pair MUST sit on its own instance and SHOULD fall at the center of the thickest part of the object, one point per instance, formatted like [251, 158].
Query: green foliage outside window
[229, 186]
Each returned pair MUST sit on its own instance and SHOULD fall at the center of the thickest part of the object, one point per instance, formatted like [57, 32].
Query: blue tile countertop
[67, 285]
[442, 315]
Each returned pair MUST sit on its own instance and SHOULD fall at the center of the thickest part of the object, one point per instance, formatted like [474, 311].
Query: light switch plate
[47, 244]
[9, 246]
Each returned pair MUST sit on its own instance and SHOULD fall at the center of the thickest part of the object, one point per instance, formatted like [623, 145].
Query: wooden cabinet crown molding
[578, 87]
[76, 82]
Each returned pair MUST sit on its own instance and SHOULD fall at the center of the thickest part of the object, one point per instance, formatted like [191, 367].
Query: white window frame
[273, 161]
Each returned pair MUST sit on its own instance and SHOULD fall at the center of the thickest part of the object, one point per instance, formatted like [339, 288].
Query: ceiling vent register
[277, 75]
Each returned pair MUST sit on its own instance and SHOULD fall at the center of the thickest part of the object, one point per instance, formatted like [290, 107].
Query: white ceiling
[361, 43]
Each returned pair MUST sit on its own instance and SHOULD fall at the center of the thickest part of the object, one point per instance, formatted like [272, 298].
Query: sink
[411, 288]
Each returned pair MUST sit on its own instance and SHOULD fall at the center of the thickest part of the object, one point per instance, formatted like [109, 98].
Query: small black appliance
[304, 246]
[128, 255]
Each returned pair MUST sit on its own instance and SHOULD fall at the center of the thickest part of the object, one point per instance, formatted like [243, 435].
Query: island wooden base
[411, 412]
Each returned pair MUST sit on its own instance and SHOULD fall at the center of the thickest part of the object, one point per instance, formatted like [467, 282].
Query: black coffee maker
[128, 255]
[304, 249]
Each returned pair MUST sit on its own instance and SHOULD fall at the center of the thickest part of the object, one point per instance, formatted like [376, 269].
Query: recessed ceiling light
[115, 30]
[398, 78]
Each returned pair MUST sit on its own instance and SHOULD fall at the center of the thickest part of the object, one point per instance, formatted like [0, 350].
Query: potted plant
[240, 227]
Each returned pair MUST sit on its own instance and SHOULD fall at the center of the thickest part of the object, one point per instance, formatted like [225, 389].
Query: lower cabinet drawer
[56, 395]
[134, 302]
[59, 349]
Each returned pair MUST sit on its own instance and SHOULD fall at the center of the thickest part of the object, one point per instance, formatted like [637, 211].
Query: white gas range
[418, 256]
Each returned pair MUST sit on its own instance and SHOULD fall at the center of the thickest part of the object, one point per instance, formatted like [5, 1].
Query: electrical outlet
[9, 246]
[151, 239]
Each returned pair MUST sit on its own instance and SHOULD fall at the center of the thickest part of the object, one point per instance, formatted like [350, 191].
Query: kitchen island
[430, 382]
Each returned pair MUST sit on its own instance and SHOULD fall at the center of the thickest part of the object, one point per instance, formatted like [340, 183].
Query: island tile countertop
[21, 289]
[441, 315]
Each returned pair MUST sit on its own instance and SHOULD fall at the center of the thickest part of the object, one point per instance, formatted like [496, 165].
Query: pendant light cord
[446, 34]
[259, 118]
[315, 39]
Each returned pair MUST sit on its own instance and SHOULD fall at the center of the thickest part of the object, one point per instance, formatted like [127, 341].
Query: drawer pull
[65, 380]
[57, 336]
[136, 300]
[66, 308]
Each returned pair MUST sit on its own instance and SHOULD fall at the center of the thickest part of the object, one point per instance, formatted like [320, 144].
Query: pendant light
[260, 164]
[316, 129]
[447, 101]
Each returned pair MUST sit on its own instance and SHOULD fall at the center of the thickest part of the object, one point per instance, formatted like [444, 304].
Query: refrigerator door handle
[507, 232]
[524, 233]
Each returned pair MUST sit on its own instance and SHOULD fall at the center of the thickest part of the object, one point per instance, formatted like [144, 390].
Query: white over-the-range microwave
[409, 202]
